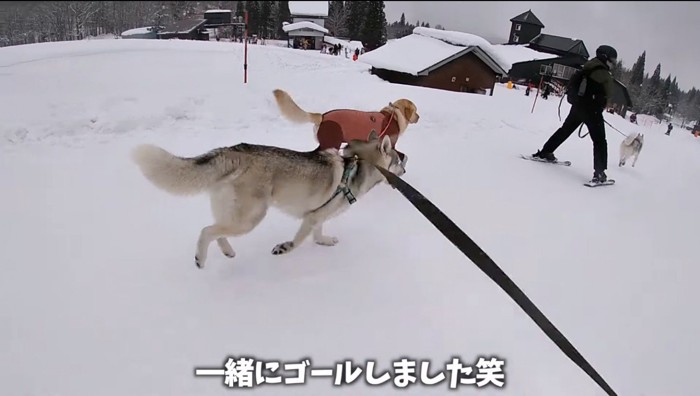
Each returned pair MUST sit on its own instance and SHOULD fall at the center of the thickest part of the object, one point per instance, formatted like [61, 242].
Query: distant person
[670, 127]
[587, 108]
[546, 91]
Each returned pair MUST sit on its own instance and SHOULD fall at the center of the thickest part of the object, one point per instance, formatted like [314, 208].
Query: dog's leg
[321, 239]
[208, 234]
[635, 160]
[249, 216]
[230, 207]
[225, 247]
[307, 226]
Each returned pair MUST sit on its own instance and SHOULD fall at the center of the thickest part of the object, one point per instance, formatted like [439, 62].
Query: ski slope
[99, 294]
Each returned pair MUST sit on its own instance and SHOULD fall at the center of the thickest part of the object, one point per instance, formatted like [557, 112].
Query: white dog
[631, 147]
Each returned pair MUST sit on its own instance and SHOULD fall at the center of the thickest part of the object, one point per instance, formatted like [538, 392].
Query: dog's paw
[198, 262]
[327, 240]
[283, 248]
[226, 248]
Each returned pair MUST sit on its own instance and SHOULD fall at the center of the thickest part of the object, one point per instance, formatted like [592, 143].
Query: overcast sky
[668, 31]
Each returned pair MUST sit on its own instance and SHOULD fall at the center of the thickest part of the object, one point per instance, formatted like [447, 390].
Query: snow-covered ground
[99, 294]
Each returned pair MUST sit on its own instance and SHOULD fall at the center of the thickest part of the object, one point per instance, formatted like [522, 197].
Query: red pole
[538, 94]
[245, 56]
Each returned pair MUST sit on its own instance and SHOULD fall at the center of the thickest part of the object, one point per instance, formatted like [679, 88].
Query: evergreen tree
[265, 18]
[655, 80]
[253, 9]
[283, 15]
[675, 93]
[357, 11]
[655, 105]
[666, 93]
[638, 71]
[240, 7]
[337, 18]
[402, 21]
[373, 32]
[618, 70]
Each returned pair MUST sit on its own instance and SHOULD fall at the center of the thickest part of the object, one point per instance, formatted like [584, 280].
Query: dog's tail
[630, 138]
[184, 176]
[292, 111]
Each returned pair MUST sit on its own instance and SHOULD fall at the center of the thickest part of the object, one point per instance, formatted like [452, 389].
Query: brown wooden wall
[481, 77]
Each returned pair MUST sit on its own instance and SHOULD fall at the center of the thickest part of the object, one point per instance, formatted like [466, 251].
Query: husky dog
[631, 147]
[243, 181]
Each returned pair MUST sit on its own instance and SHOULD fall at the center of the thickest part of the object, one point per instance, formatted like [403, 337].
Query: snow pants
[593, 120]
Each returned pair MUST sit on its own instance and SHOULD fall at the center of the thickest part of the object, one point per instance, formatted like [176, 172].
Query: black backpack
[576, 88]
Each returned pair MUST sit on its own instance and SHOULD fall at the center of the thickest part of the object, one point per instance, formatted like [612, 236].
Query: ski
[557, 162]
[608, 182]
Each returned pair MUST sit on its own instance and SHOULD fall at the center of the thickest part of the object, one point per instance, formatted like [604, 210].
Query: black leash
[470, 249]
[581, 127]
[618, 131]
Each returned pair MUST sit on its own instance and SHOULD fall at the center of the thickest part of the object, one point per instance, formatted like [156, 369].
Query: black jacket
[601, 86]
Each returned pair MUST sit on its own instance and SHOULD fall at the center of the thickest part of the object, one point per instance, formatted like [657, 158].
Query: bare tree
[81, 13]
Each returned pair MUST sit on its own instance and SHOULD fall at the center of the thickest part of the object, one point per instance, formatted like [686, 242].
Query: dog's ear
[373, 136]
[409, 110]
[385, 147]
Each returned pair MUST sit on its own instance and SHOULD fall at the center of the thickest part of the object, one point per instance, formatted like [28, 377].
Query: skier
[588, 110]
[670, 127]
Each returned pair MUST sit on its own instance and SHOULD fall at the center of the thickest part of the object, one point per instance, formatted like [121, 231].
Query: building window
[562, 71]
[546, 70]
[517, 27]
[515, 38]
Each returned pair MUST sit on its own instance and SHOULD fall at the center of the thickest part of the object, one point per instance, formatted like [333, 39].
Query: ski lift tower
[217, 18]
[243, 21]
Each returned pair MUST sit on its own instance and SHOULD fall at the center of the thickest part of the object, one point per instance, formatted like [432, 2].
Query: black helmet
[606, 53]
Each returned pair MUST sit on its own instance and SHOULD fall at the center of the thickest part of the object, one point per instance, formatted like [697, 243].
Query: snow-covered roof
[303, 25]
[217, 11]
[465, 40]
[419, 53]
[183, 26]
[308, 8]
[137, 31]
[520, 53]
[410, 54]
